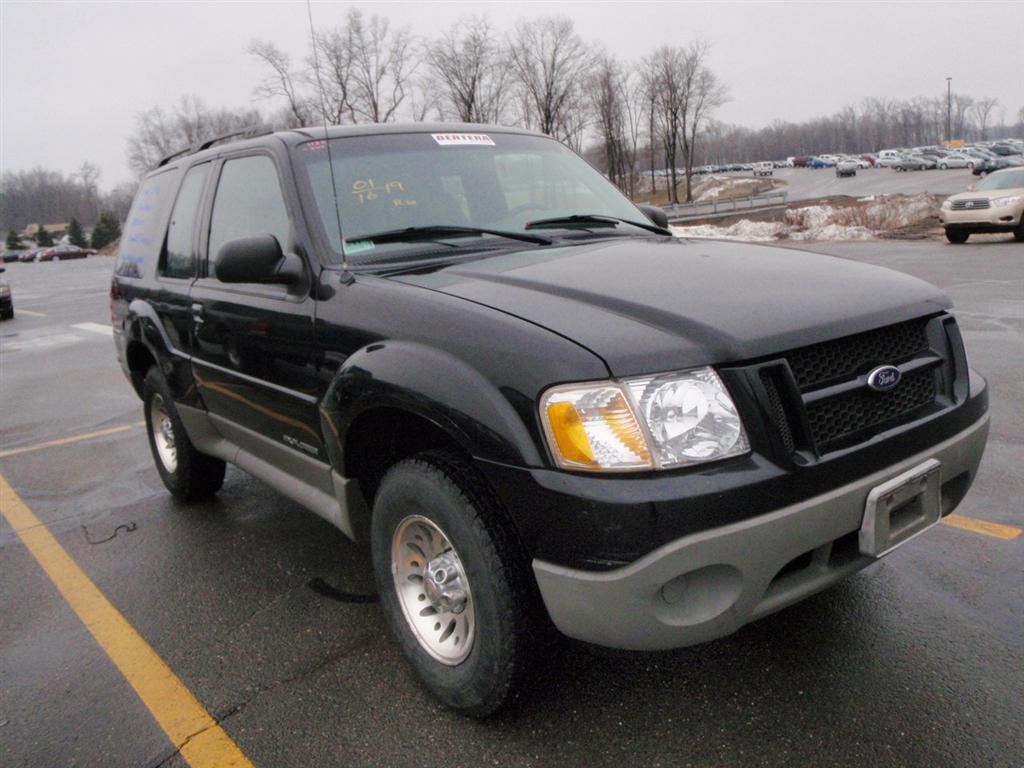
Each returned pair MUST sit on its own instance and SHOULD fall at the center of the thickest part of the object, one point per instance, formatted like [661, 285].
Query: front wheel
[957, 236]
[188, 474]
[453, 581]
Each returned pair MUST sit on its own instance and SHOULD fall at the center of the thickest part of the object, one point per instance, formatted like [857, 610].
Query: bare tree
[549, 62]
[281, 82]
[669, 66]
[982, 110]
[331, 69]
[382, 63]
[618, 119]
[703, 95]
[468, 68]
[159, 132]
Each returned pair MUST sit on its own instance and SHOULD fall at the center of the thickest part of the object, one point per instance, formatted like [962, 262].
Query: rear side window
[249, 202]
[179, 258]
[141, 236]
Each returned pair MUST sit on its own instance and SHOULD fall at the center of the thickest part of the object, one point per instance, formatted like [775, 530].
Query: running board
[304, 480]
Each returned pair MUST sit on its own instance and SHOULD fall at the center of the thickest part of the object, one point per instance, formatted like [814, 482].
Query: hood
[987, 194]
[653, 304]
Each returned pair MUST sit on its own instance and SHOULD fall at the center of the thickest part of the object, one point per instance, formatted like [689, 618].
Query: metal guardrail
[712, 207]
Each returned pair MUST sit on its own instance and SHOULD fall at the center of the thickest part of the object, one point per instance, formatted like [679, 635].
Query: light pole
[949, 109]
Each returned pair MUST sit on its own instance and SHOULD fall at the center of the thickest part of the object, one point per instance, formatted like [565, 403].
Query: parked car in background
[846, 167]
[996, 204]
[915, 163]
[800, 161]
[8, 256]
[62, 253]
[764, 169]
[6, 300]
[956, 160]
[30, 255]
[997, 164]
[819, 162]
[889, 161]
[869, 158]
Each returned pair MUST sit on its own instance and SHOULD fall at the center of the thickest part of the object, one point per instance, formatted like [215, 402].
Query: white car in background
[957, 160]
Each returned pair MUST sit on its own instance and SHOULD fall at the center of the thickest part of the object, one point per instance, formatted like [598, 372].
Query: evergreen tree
[75, 234]
[13, 241]
[106, 231]
[43, 239]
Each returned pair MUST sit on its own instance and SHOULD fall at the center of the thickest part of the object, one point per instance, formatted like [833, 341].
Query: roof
[295, 136]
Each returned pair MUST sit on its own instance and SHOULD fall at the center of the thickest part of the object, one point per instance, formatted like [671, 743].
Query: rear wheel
[453, 581]
[957, 236]
[188, 474]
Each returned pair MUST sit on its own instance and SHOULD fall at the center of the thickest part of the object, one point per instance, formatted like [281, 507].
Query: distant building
[56, 231]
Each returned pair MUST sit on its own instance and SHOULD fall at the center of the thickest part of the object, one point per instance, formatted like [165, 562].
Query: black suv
[462, 345]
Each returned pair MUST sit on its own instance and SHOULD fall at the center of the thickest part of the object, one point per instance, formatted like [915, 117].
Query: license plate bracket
[900, 509]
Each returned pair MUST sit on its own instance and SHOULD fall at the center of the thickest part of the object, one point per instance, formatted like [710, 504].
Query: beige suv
[994, 205]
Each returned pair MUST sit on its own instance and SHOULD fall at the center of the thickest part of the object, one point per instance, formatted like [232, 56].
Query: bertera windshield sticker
[465, 139]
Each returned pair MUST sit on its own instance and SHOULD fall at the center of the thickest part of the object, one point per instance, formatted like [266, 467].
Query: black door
[252, 344]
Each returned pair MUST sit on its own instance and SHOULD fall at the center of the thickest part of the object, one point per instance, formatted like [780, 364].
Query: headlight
[947, 204]
[649, 422]
[5, 291]
[999, 202]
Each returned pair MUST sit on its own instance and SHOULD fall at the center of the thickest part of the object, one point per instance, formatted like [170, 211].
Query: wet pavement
[267, 615]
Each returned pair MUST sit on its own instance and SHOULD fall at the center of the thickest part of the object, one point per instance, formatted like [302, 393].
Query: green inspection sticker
[358, 246]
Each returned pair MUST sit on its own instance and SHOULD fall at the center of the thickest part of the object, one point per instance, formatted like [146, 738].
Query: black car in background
[6, 300]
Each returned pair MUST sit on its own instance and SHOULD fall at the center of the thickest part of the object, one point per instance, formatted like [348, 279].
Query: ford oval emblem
[884, 378]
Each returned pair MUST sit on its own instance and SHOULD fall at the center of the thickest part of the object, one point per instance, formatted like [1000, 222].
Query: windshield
[1007, 180]
[497, 181]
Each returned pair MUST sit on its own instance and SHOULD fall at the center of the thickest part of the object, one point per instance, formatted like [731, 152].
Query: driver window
[249, 202]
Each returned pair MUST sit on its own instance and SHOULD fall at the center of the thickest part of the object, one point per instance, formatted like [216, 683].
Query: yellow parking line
[30, 312]
[202, 742]
[69, 440]
[996, 530]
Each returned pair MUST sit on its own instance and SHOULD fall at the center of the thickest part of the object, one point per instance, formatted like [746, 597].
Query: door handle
[197, 313]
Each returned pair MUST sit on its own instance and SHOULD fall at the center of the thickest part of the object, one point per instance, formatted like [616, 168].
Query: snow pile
[710, 188]
[754, 231]
[864, 221]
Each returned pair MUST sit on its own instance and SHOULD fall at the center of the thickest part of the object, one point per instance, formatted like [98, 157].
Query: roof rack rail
[249, 133]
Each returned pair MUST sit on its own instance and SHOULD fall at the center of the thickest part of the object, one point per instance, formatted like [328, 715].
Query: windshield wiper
[412, 234]
[593, 218]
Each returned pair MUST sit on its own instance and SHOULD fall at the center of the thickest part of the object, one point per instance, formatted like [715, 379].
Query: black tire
[448, 491]
[1018, 235]
[195, 475]
[957, 236]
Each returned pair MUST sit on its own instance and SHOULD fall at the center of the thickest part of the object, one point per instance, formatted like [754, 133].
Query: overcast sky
[75, 74]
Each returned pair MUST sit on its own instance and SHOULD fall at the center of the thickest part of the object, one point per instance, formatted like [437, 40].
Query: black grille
[847, 357]
[856, 410]
[777, 412]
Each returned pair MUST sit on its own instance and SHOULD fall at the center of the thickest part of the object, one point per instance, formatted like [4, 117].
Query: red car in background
[62, 252]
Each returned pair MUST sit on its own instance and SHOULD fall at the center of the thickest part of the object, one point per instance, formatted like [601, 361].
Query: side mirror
[655, 214]
[3, 269]
[257, 259]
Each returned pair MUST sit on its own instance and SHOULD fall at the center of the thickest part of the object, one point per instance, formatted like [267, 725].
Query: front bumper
[710, 583]
[1003, 219]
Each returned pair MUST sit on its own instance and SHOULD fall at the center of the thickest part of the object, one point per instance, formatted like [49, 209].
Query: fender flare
[143, 326]
[436, 386]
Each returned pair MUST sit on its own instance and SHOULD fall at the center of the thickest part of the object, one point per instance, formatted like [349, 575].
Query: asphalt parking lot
[266, 614]
[810, 184]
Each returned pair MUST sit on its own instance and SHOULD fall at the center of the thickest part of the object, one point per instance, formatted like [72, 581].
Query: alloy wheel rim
[433, 590]
[163, 433]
